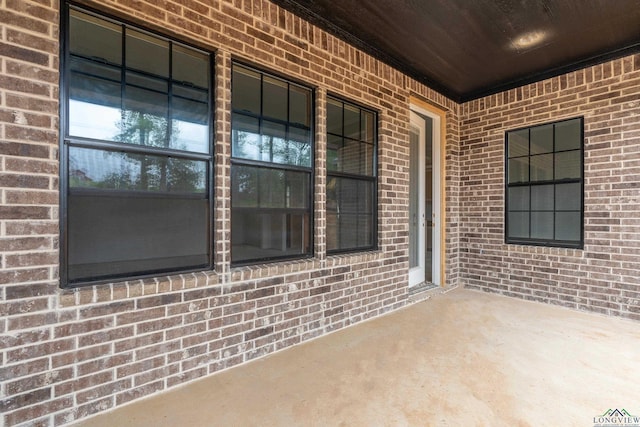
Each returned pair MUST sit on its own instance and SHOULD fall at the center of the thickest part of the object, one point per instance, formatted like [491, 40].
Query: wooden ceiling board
[466, 48]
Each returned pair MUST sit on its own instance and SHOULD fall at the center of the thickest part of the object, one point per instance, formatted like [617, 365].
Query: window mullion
[529, 179]
[170, 98]
[123, 73]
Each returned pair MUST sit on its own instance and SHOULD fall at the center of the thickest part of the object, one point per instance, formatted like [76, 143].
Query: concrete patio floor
[462, 358]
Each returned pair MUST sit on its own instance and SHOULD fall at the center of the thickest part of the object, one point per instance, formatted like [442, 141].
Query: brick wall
[67, 354]
[605, 276]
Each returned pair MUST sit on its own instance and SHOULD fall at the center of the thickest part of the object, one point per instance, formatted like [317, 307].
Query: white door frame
[437, 214]
[417, 273]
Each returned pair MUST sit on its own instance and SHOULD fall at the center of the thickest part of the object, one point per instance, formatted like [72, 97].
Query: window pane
[348, 237]
[299, 105]
[519, 199]
[297, 190]
[334, 117]
[299, 147]
[348, 195]
[350, 157]
[144, 127]
[542, 225]
[144, 81]
[190, 66]
[145, 124]
[568, 135]
[147, 53]
[542, 198]
[244, 187]
[365, 236]
[568, 164]
[94, 101]
[271, 188]
[246, 137]
[109, 170]
[274, 148]
[190, 126]
[261, 235]
[366, 165]
[542, 139]
[568, 226]
[541, 167]
[334, 145]
[518, 170]
[95, 38]
[274, 99]
[293, 151]
[518, 142]
[181, 91]
[349, 213]
[245, 90]
[121, 235]
[365, 197]
[190, 110]
[351, 122]
[518, 224]
[96, 107]
[568, 197]
[368, 126]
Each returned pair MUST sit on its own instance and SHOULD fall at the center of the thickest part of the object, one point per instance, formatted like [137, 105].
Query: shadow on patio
[460, 358]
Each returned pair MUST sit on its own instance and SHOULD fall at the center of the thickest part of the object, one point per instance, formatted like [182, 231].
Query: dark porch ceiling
[471, 48]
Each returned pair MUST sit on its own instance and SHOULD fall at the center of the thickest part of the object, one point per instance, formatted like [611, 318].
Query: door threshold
[424, 286]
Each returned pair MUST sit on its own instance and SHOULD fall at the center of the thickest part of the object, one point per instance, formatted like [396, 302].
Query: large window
[544, 191]
[271, 167]
[136, 156]
[351, 177]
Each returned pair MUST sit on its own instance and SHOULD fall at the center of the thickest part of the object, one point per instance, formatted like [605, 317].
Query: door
[424, 199]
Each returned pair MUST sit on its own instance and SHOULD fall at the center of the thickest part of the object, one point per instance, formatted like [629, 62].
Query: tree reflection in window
[137, 172]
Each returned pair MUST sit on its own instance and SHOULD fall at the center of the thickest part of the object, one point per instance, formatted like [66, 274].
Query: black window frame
[373, 178]
[68, 141]
[558, 243]
[237, 161]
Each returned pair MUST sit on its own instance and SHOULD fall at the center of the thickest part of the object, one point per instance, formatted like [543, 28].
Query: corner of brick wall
[605, 276]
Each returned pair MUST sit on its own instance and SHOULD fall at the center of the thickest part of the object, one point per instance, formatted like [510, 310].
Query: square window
[518, 170]
[541, 167]
[518, 198]
[542, 139]
[568, 165]
[542, 198]
[246, 93]
[519, 224]
[568, 135]
[568, 226]
[544, 184]
[518, 143]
